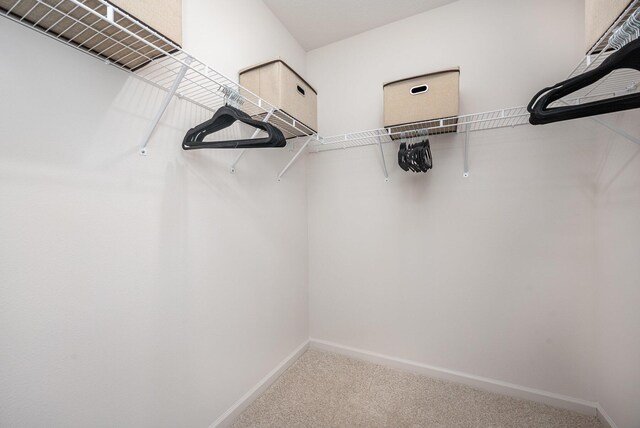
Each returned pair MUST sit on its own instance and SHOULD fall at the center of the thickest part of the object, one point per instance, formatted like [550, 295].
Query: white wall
[491, 275]
[139, 291]
[233, 35]
[618, 238]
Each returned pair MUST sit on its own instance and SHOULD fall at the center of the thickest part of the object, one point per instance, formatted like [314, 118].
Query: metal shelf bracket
[465, 172]
[619, 131]
[610, 127]
[384, 163]
[165, 103]
[296, 156]
[255, 134]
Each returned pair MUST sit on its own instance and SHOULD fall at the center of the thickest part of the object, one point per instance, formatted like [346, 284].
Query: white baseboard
[487, 384]
[604, 418]
[229, 416]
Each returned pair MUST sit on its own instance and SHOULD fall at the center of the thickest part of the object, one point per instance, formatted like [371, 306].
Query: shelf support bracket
[619, 131]
[255, 134]
[110, 14]
[165, 103]
[465, 172]
[295, 157]
[384, 163]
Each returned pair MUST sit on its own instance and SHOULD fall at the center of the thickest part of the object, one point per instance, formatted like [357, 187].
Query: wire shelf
[105, 32]
[473, 122]
[620, 82]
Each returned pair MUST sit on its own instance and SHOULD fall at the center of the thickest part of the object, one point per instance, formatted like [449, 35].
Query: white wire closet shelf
[103, 31]
[620, 82]
[472, 122]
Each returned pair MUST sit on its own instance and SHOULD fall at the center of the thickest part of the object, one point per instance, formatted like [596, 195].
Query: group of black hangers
[627, 56]
[415, 157]
[223, 118]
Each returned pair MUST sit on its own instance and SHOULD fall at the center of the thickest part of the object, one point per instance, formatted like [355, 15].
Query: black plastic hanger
[426, 147]
[626, 57]
[424, 152]
[402, 157]
[223, 118]
[415, 157]
[410, 158]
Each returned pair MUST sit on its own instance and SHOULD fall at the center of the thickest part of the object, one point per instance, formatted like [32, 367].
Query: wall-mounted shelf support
[617, 130]
[255, 134]
[465, 172]
[296, 156]
[384, 163]
[165, 103]
[111, 14]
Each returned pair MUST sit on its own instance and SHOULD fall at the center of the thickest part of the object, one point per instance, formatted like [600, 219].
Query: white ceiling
[315, 23]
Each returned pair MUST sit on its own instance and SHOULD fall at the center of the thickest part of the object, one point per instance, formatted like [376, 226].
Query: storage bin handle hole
[420, 89]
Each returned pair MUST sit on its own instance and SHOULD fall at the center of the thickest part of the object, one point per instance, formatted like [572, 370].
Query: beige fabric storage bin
[281, 86]
[426, 97]
[599, 16]
[163, 16]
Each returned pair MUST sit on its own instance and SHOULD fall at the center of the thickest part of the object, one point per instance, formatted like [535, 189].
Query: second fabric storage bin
[422, 98]
[281, 86]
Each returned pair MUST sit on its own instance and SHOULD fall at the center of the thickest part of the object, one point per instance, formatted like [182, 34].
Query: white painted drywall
[140, 291]
[492, 275]
[618, 291]
[238, 34]
[334, 20]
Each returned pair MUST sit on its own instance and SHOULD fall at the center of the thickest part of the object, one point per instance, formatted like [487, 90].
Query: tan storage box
[163, 16]
[281, 86]
[599, 16]
[427, 97]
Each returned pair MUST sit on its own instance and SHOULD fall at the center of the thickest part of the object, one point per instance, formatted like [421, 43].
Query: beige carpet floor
[323, 389]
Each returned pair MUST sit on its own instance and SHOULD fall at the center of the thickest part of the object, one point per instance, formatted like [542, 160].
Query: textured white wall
[238, 34]
[618, 292]
[491, 275]
[139, 291]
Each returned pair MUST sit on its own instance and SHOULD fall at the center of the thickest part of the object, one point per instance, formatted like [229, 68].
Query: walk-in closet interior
[320, 213]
